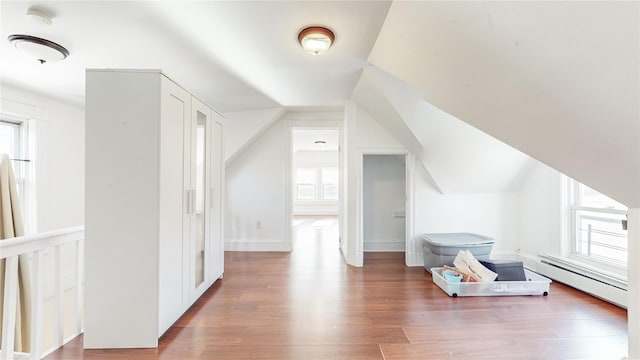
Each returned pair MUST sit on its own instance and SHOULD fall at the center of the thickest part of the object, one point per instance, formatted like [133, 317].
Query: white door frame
[410, 252]
[320, 121]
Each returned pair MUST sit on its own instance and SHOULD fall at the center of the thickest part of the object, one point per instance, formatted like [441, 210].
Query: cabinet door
[175, 112]
[217, 198]
[200, 246]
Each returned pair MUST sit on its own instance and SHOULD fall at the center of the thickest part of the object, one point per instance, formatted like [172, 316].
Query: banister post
[10, 302]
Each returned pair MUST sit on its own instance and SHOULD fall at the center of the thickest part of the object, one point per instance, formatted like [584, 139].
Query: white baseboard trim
[315, 209]
[256, 246]
[314, 213]
[384, 246]
[349, 258]
[599, 289]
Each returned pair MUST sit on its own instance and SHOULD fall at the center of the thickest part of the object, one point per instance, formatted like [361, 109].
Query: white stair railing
[36, 246]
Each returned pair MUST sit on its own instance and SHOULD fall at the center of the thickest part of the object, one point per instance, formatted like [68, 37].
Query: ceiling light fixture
[40, 49]
[316, 39]
[39, 15]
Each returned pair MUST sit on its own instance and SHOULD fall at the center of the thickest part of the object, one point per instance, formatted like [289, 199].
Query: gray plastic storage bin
[441, 249]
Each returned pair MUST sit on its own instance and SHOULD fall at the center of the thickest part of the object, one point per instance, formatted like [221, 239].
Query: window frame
[311, 169]
[22, 169]
[318, 185]
[323, 183]
[575, 208]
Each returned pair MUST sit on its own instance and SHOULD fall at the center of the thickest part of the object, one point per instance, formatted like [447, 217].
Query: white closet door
[174, 224]
[217, 198]
[199, 264]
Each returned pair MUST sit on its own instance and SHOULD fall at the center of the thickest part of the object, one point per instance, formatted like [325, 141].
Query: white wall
[493, 214]
[59, 156]
[256, 194]
[315, 158]
[541, 213]
[384, 203]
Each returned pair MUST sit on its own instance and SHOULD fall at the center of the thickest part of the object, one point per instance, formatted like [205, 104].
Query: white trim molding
[409, 242]
[579, 277]
[262, 245]
[633, 280]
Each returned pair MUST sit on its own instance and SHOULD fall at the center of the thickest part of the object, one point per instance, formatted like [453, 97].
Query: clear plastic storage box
[534, 285]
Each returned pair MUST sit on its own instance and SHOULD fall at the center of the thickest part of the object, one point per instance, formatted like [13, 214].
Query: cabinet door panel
[176, 109]
[199, 243]
[216, 198]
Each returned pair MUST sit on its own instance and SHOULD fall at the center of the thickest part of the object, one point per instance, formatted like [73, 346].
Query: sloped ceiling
[458, 158]
[241, 128]
[371, 96]
[556, 80]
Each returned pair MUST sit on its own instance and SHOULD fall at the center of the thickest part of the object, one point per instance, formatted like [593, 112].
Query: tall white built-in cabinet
[153, 205]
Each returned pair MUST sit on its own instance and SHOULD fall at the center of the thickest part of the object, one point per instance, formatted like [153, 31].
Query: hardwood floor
[308, 304]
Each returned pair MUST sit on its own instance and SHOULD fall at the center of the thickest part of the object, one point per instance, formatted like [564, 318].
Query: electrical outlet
[258, 224]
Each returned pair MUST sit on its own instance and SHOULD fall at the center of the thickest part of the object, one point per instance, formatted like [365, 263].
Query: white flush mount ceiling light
[316, 39]
[40, 49]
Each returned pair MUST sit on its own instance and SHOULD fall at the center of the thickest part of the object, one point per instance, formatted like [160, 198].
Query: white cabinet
[153, 211]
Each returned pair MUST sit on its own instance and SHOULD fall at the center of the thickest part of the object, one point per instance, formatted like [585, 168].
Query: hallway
[309, 305]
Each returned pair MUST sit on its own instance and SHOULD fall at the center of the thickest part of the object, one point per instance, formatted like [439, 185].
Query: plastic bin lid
[456, 239]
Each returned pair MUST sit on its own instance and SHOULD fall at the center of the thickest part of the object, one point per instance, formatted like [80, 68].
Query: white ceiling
[304, 140]
[556, 80]
[235, 55]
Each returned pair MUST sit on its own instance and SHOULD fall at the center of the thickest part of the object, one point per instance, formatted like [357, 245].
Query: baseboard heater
[607, 286]
[583, 273]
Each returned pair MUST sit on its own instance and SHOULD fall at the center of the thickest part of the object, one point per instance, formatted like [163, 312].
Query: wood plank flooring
[307, 304]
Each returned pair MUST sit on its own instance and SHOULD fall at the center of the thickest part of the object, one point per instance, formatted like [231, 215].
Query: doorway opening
[315, 188]
[384, 203]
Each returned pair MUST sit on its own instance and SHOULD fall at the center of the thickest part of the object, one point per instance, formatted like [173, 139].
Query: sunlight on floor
[315, 241]
[322, 229]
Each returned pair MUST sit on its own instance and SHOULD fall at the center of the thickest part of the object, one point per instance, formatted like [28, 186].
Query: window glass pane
[306, 191]
[9, 139]
[601, 236]
[594, 199]
[306, 183]
[330, 191]
[12, 136]
[330, 183]
[10, 145]
[306, 175]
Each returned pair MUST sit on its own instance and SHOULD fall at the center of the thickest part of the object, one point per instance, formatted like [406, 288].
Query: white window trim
[26, 180]
[585, 265]
[318, 186]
